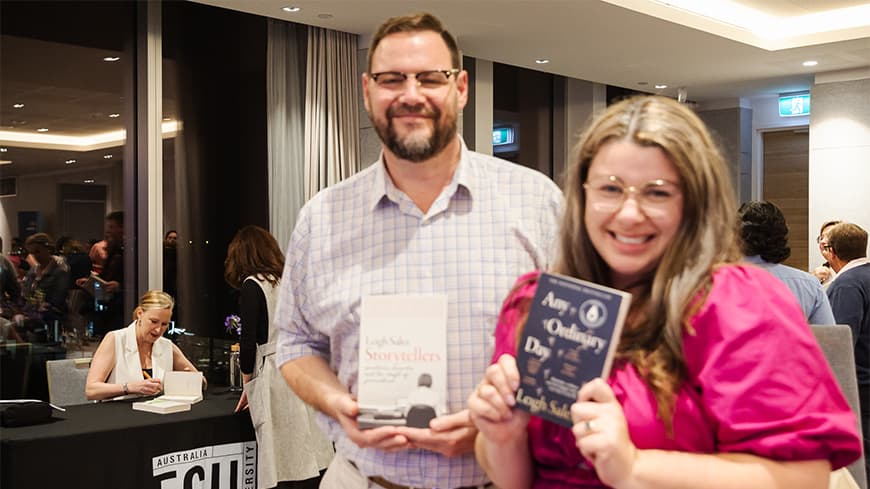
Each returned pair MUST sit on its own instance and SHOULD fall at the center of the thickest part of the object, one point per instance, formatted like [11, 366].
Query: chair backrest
[836, 343]
[66, 381]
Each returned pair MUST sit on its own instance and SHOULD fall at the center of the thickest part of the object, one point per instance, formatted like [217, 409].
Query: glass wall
[215, 167]
[66, 106]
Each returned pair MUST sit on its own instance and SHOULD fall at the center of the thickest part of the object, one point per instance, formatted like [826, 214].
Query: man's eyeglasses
[655, 198]
[430, 79]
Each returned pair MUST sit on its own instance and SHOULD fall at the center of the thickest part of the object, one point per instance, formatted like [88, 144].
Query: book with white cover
[178, 388]
[182, 386]
[161, 406]
[402, 360]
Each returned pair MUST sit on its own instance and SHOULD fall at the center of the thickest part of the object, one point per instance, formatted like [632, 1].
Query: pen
[146, 374]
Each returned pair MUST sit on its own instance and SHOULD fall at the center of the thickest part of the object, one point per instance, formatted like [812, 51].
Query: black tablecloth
[109, 445]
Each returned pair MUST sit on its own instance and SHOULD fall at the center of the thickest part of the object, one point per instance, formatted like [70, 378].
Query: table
[109, 445]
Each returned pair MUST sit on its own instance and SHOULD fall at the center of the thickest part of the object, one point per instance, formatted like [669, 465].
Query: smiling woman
[133, 360]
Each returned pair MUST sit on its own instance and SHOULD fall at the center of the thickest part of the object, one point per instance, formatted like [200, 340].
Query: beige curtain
[331, 109]
[284, 87]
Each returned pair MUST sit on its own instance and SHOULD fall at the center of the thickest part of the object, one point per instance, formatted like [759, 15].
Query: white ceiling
[627, 42]
[616, 42]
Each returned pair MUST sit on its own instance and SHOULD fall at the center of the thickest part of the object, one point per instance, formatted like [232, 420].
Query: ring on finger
[589, 426]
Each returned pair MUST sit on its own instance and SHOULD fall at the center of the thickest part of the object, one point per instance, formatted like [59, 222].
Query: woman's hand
[491, 405]
[602, 432]
[243, 403]
[147, 387]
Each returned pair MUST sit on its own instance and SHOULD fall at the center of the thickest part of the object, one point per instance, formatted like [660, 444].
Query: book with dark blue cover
[569, 338]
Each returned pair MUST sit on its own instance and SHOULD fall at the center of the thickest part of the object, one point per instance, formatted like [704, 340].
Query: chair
[66, 381]
[419, 416]
[836, 343]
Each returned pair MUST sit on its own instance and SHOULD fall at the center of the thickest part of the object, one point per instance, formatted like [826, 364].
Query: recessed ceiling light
[290, 9]
[111, 58]
[810, 63]
[643, 84]
[108, 157]
[89, 180]
[114, 115]
[69, 162]
[660, 86]
[324, 16]
[542, 61]
[3, 150]
[42, 129]
[18, 106]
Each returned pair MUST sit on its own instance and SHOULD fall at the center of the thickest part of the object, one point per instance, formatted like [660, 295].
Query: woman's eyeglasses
[655, 198]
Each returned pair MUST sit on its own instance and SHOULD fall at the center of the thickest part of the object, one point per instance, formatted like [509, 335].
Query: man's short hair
[763, 231]
[40, 239]
[117, 216]
[415, 23]
[848, 241]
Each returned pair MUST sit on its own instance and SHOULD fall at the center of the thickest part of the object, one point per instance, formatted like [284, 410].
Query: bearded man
[429, 217]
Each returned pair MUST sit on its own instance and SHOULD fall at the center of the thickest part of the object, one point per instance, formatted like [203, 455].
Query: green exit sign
[794, 105]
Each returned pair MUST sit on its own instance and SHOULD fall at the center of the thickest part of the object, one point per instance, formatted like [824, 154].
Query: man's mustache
[411, 110]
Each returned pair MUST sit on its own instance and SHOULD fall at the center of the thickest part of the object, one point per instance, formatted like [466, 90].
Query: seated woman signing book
[132, 361]
[717, 381]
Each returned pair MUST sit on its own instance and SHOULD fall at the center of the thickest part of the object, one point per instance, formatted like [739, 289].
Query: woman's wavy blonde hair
[706, 238]
[153, 299]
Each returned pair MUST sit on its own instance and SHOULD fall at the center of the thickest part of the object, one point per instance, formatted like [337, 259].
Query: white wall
[39, 193]
[839, 168]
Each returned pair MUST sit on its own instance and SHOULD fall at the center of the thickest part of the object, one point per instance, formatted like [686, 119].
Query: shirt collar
[857, 262]
[754, 259]
[383, 186]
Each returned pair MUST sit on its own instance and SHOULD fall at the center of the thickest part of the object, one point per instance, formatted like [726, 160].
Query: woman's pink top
[757, 383]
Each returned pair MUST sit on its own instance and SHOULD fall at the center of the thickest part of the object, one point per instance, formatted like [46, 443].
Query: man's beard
[414, 147]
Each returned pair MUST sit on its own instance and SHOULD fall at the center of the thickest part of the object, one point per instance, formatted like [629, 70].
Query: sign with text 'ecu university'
[228, 466]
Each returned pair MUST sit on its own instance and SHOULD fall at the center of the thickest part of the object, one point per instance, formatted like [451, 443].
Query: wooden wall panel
[786, 184]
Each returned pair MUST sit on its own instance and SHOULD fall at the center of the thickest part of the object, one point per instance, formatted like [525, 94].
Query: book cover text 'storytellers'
[402, 360]
[569, 338]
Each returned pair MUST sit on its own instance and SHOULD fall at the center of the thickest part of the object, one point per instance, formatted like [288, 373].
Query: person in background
[98, 253]
[824, 272]
[170, 263]
[717, 381]
[764, 241]
[10, 289]
[76, 257]
[109, 314]
[850, 300]
[429, 217]
[45, 285]
[80, 303]
[131, 361]
[10, 298]
[292, 452]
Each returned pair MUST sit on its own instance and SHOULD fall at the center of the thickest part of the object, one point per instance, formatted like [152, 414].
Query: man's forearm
[314, 382]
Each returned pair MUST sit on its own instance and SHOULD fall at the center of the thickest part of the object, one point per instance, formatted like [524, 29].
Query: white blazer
[127, 366]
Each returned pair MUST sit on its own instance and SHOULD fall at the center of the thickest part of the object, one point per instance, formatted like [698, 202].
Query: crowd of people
[48, 289]
[717, 375]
